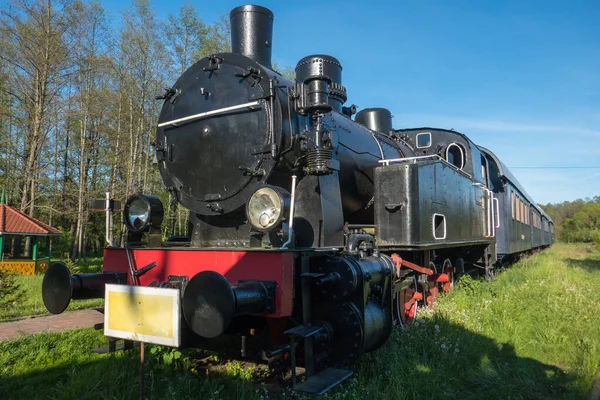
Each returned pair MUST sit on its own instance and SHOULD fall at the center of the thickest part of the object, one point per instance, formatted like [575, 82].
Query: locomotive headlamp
[142, 212]
[268, 207]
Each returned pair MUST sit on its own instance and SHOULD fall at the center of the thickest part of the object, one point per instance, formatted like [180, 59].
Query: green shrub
[596, 239]
[10, 292]
[72, 265]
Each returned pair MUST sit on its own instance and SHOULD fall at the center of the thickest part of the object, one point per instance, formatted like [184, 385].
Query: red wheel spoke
[432, 295]
[448, 274]
[406, 302]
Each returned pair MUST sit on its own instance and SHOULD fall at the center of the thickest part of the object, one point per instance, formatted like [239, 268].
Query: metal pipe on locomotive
[287, 254]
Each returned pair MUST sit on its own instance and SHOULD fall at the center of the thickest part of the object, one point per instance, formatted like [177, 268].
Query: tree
[77, 108]
[10, 292]
[33, 45]
[576, 221]
[217, 39]
[185, 34]
[287, 72]
[88, 30]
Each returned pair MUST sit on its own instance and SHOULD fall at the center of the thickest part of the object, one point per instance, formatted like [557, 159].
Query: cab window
[423, 140]
[455, 155]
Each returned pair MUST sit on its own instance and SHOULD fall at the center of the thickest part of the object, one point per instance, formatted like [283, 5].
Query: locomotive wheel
[406, 303]
[448, 269]
[489, 273]
[431, 294]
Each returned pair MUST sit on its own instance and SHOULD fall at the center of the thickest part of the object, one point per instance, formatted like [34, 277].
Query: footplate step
[112, 347]
[323, 381]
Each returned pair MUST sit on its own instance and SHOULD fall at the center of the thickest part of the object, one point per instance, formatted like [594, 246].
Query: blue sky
[519, 77]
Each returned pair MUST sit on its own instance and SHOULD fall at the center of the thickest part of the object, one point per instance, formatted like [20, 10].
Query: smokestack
[252, 33]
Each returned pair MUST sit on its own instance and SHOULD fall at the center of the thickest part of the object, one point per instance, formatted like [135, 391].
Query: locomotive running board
[323, 381]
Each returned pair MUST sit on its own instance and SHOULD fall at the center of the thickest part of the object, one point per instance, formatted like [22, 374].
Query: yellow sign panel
[146, 314]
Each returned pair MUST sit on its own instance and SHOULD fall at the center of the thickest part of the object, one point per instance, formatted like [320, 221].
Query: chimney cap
[251, 8]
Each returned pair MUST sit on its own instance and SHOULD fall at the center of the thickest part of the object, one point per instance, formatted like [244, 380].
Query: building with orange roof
[14, 223]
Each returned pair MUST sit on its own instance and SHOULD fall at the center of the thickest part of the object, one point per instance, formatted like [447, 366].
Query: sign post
[109, 206]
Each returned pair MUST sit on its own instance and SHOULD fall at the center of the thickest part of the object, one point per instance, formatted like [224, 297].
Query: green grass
[32, 303]
[59, 366]
[533, 333]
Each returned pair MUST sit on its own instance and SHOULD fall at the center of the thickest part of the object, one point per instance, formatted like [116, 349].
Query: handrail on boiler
[387, 161]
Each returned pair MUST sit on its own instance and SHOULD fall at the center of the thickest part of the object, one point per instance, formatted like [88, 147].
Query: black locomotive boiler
[312, 231]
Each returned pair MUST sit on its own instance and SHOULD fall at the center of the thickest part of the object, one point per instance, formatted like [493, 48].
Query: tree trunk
[115, 158]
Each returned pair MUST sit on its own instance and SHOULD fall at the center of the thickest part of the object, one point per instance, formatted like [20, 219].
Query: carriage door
[532, 232]
[488, 203]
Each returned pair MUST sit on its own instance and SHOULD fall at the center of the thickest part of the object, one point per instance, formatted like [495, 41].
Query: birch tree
[88, 28]
[185, 34]
[33, 45]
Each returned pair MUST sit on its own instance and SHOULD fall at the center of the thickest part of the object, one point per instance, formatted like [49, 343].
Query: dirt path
[51, 323]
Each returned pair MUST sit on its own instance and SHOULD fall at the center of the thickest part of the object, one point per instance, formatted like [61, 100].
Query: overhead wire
[550, 167]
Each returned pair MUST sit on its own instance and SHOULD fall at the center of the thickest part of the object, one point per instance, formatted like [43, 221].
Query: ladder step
[303, 331]
[145, 269]
[323, 381]
[312, 275]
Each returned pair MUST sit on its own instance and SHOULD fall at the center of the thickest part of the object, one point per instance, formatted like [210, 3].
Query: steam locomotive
[312, 230]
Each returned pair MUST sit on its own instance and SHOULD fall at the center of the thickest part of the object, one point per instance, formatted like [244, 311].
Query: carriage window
[522, 212]
[455, 155]
[423, 140]
[512, 203]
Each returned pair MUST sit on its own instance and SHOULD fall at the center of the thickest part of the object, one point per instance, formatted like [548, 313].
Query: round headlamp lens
[266, 208]
[142, 212]
[138, 214]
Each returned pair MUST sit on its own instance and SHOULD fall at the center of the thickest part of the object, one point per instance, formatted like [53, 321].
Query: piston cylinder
[342, 276]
